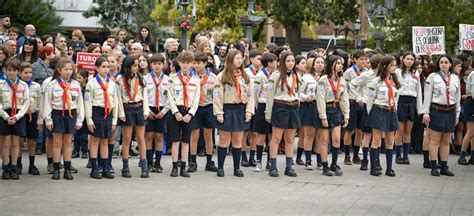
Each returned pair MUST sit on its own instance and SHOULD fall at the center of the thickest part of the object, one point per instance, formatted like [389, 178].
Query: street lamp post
[379, 36]
[346, 30]
[184, 39]
[336, 29]
[250, 27]
[250, 20]
[357, 27]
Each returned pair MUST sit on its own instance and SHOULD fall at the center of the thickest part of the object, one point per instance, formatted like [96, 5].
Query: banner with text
[466, 37]
[86, 61]
[427, 39]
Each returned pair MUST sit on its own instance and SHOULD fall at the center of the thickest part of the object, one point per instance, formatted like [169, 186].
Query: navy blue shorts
[18, 129]
[259, 125]
[355, 117]
[133, 117]
[406, 108]
[31, 130]
[103, 127]
[66, 124]
[204, 118]
[234, 118]
[308, 114]
[469, 110]
[442, 121]
[285, 116]
[157, 125]
[180, 131]
[334, 116]
[382, 119]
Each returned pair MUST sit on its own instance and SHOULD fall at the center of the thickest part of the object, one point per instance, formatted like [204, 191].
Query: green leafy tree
[113, 14]
[423, 13]
[37, 12]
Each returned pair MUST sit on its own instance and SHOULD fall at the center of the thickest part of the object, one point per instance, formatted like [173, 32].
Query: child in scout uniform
[14, 104]
[184, 102]
[157, 84]
[204, 117]
[469, 117]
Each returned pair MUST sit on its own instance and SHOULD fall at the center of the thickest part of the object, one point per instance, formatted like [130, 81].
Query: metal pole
[184, 39]
[250, 27]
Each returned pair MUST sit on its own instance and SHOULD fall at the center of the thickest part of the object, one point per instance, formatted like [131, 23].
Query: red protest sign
[86, 61]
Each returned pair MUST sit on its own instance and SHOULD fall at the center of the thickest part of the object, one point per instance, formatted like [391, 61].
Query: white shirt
[308, 87]
[378, 94]
[22, 93]
[359, 85]
[53, 101]
[435, 92]
[350, 74]
[470, 84]
[163, 90]
[261, 85]
[410, 85]
[94, 96]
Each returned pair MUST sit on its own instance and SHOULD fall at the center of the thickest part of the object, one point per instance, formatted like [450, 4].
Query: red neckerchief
[391, 97]
[237, 78]
[157, 88]
[447, 82]
[14, 87]
[292, 88]
[104, 87]
[127, 88]
[66, 101]
[335, 89]
[203, 82]
[185, 90]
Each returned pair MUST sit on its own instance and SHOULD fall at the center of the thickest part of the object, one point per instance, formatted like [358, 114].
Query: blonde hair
[78, 33]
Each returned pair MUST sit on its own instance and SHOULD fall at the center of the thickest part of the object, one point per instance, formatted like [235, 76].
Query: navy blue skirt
[259, 125]
[18, 129]
[364, 117]
[31, 130]
[285, 116]
[406, 108]
[308, 114]
[382, 119]
[133, 117]
[157, 125]
[234, 118]
[334, 116]
[469, 110]
[103, 127]
[66, 124]
[204, 118]
[442, 121]
[355, 117]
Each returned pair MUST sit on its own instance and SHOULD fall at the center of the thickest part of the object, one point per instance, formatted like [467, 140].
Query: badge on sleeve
[321, 85]
[216, 92]
[270, 85]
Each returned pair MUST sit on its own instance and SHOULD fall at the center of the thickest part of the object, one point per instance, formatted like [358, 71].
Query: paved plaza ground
[412, 192]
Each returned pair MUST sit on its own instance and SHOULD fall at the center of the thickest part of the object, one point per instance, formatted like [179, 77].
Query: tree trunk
[293, 37]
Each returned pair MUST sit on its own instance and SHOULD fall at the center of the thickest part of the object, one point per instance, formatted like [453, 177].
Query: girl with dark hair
[63, 113]
[101, 109]
[333, 112]
[233, 106]
[133, 96]
[145, 37]
[382, 100]
[29, 51]
[145, 65]
[409, 105]
[282, 110]
[441, 109]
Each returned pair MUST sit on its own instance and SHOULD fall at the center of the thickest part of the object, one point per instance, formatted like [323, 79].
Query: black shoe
[245, 163]
[319, 166]
[85, 155]
[75, 154]
[290, 172]
[238, 173]
[158, 168]
[299, 162]
[211, 167]
[151, 168]
[108, 175]
[327, 172]
[32, 170]
[364, 165]
[446, 173]
[435, 172]
[144, 173]
[347, 161]
[192, 167]
[220, 172]
[67, 175]
[252, 163]
[268, 166]
[126, 173]
[6, 175]
[19, 170]
[427, 165]
[95, 175]
[174, 173]
[378, 167]
[390, 173]
[463, 161]
[471, 161]
[273, 173]
[356, 159]
[336, 169]
[399, 160]
[55, 175]
[14, 175]
[406, 161]
[39, 152]
[89, 165]
[74, 170]
[376, 173]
